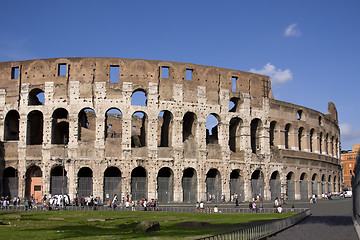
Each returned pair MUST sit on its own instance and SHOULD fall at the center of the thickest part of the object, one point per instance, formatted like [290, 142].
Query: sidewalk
[331, 219]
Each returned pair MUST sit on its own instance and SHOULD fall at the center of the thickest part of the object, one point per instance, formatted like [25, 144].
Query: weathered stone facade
[259, 145]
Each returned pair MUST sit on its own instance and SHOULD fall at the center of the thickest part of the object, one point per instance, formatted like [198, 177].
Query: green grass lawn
[120, 225]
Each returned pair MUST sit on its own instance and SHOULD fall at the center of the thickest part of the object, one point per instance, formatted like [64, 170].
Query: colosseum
[176, 132]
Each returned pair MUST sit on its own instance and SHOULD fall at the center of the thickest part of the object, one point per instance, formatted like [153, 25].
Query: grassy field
[120, 225]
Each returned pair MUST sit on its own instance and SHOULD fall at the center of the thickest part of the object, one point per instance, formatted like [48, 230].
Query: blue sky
[310, 49]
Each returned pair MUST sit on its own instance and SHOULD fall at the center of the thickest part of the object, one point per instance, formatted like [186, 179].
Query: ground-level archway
[33, 180]
[275, 185]
[213, 185]
[10, 182]
[112, 183]
[165, 185]
[237, 185]
[139, 183]
[304, 187]
[85, 182]
[290, 186]
[58, 184]
[257, 184]
[189, 185]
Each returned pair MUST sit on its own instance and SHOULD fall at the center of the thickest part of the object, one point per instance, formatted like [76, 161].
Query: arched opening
[85, 182]
[58, 185]
[236, 185]
[290, 185]
[272, 133]
[139, 183]
[311, 140]
[165, 185]
[304, 186]
[275, 185]
[320, 143]
[235, 134]
[299, 114]
[33, 183]
[189, 126]
[255, 135]
[112, 183]
[190, 144]
[287, 131]
[234, 104]
[212, 136]
[139, 127]
[257, 185]
[165, 129]
[323, 184]
[34, 128]
[334, 185]
[300, 137]
[314, 184]
[36, 97]
[60, 126]
[213, 185]
[113, 124]
[11, 126]
[189, 185]
[138, 98]
[86, 125]
[10, 182]
[327, 143]
[330, 184]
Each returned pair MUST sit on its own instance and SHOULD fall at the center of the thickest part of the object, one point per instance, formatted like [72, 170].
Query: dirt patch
[253, 223]
[193, 224]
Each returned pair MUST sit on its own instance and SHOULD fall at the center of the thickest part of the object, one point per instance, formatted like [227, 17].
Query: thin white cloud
[292, 31]
[348, 132]
[277, 76]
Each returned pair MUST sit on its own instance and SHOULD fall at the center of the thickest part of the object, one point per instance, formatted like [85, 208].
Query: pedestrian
[254, 207]
[202, 206]
[133, 205]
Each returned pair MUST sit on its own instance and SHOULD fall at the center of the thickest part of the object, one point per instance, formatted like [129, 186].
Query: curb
[356, 226]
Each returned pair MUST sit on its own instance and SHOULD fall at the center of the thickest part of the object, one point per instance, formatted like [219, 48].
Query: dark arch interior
[85, 172]
[189, 172]
[58, 171]
[112, 172]
[256, 174]
[212, 173]
[165, 172]
[9, 172]
[234, 174]
[138, 172]
[275, 175]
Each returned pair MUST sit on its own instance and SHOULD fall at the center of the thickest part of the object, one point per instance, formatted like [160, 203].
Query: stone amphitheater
[176, 132]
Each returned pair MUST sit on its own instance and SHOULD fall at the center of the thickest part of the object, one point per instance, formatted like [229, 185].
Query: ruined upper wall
[284, 112]
[140, 72]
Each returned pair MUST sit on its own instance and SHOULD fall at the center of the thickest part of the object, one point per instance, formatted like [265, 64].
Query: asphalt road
[330, 219]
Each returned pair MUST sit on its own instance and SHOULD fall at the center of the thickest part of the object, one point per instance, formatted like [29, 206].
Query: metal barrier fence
[261, 231]
[225, 209]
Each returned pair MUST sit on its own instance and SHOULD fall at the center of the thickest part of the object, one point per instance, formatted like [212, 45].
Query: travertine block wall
[85, 84]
